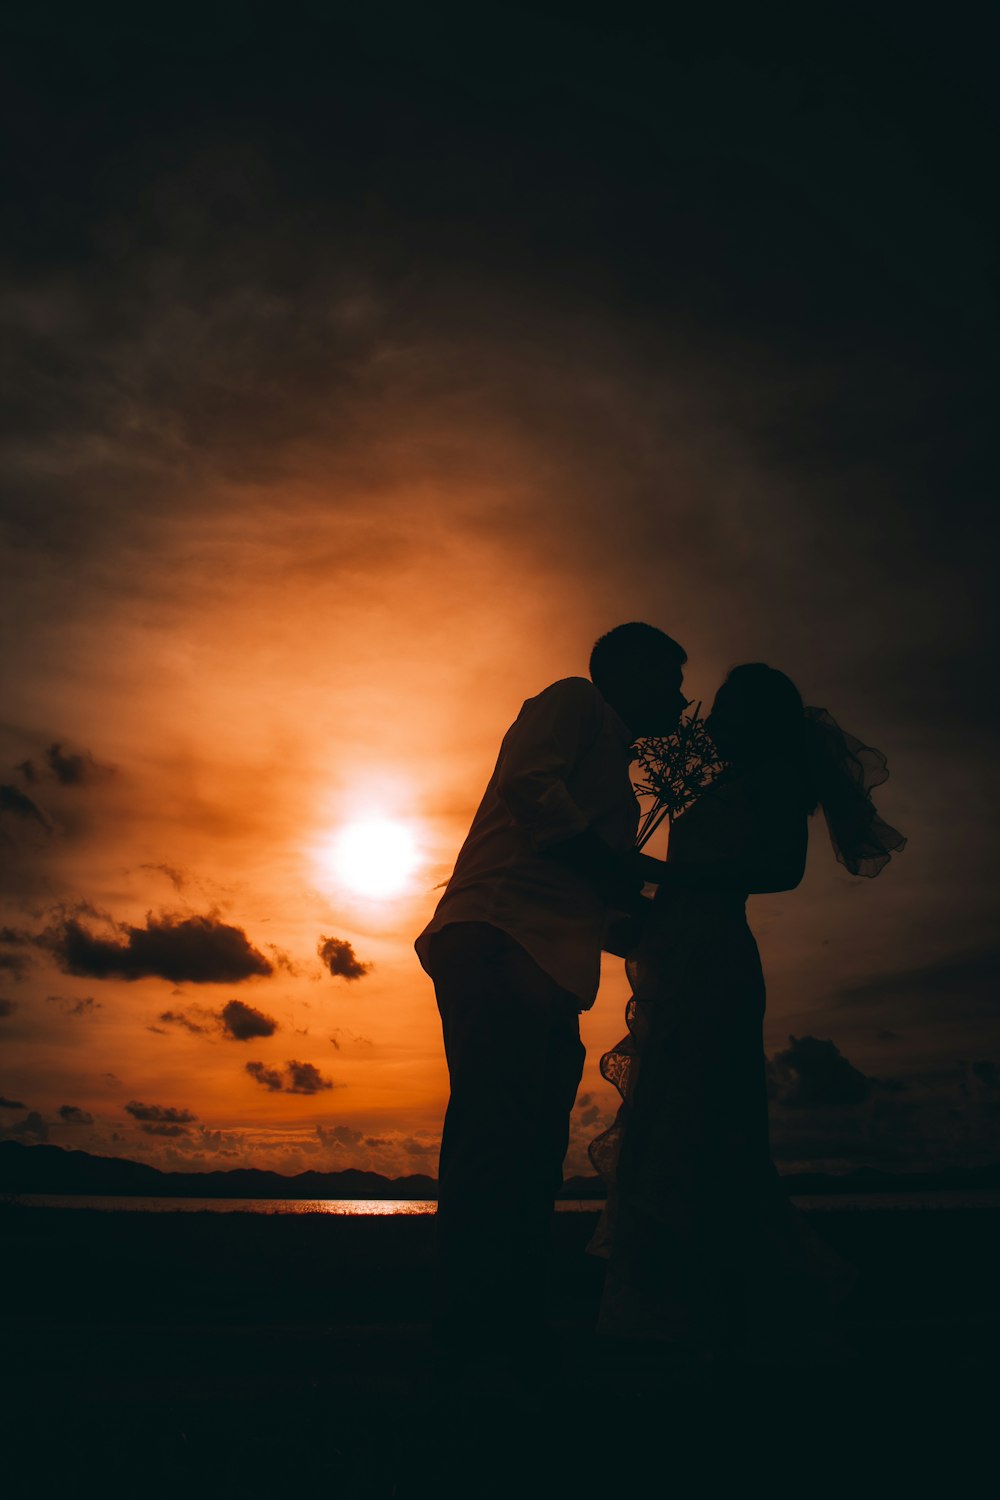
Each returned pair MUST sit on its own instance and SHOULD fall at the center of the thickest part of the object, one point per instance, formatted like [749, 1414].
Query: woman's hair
[768, 708]
[836, 771]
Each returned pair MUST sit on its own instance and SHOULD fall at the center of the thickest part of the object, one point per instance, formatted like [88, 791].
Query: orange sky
[354, 395]
[259, 664]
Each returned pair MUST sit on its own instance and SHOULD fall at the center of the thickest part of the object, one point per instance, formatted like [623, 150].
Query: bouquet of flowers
[674, 771]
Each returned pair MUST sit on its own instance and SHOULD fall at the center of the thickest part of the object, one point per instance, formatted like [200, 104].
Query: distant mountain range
[50, 1169]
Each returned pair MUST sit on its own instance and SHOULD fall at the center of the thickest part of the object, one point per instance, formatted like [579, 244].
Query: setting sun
[375, 858]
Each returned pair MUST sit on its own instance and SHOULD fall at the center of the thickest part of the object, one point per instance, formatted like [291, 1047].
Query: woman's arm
[776, 861]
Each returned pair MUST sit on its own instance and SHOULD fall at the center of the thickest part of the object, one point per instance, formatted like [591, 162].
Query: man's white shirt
[563, 767]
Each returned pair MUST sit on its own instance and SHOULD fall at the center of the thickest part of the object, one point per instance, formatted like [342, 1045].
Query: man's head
[638, 670]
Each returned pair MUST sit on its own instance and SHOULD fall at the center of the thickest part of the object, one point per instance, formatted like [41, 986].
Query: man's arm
[540, 751]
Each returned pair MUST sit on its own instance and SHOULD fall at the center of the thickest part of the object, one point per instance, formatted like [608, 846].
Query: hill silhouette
[50, 1169]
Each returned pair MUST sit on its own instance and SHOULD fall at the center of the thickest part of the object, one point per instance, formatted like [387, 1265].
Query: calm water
[833, 1203]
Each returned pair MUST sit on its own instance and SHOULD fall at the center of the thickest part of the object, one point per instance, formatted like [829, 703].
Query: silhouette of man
[514, 951]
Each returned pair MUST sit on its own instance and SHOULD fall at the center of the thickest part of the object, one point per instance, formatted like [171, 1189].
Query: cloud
[241, 1022]
[70, 1114]
[14, 964]
[21, 806]
[270, 1078]
[235, 1020]
[814, 1073]
[338, 1135]
[199, 950]
[33, 1128]
[179, 1018]
[305, 1078]
[283, 960]
[177, 877]
[11, 1103]
[339, 957]
[299, 1078]
[587, 1110]
[7, 1008]
[352, 1036]
[413, 1147]
[164, 1129]
[159, 1113]
[83, 1007]
[68, 767]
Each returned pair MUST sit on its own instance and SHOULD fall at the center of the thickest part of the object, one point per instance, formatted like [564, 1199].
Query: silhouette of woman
[706, 1252]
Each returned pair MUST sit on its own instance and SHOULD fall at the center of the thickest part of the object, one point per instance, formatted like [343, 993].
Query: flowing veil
[843, 772]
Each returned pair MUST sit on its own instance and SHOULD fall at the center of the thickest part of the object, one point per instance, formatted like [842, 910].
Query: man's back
[563, 769]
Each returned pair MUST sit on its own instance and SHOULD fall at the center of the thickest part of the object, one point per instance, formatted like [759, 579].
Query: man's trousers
[512, 1039]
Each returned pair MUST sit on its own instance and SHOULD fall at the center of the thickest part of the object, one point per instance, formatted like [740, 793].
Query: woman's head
[758, 715]
[758, 718]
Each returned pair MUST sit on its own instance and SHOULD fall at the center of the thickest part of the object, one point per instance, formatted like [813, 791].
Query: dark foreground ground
[244, 1354]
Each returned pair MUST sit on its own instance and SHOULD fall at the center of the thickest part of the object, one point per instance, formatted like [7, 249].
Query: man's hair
[630, 646]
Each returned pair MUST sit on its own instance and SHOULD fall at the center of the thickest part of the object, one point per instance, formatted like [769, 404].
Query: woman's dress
[705, 1250]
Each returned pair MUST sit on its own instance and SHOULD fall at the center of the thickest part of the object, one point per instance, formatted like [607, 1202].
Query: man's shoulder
[572, 690]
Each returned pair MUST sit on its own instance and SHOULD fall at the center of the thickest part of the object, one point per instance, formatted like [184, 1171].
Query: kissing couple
[705, 1252]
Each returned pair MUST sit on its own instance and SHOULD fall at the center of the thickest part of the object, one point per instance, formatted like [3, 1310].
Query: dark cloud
[270, 1078]
[168, 1130]
[198, 950]
[11, 1103]
[587, 1110]
[180, 1018]
[82, 1007]
[21, 806]
[68, 767]
[299, 1078]
[159, 1113]
[33, 1128]
[14, 964]
[242, 1022]
[889, 1036]
[305, 1078]
[339, 957]
[814, 1073]
[71, 1114]
[7, 1007]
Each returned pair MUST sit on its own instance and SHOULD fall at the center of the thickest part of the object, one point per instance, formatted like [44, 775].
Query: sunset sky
[359, 374]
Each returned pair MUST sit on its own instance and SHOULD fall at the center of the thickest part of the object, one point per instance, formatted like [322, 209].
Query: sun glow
[375, 858]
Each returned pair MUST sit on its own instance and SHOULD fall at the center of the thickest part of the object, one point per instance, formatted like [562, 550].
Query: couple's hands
[618, 877]
[624, 933]
[614, 876]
